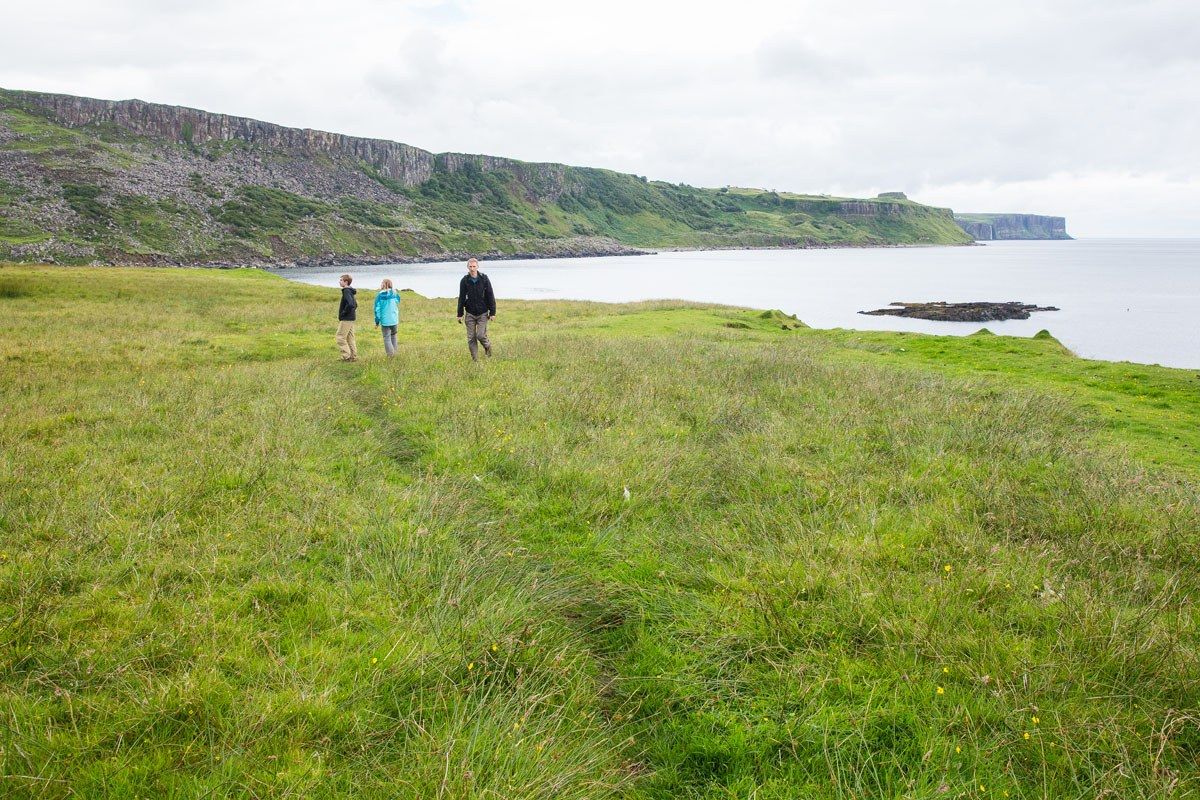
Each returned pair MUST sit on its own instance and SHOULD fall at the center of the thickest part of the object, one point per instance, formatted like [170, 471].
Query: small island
[960, 312]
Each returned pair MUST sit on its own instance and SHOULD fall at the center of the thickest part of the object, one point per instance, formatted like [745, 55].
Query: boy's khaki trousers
[345, 339]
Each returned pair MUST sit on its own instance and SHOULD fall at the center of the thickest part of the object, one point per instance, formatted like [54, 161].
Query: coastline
[537, 256]
[827, 288]
[149, 260]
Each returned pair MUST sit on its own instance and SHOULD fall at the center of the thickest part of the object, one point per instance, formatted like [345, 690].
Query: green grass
[57, 147]
[17, 231]
[503, 213]
[37, 135]
[494, 211]
[83, 198]
[849, 565]
[9, 193]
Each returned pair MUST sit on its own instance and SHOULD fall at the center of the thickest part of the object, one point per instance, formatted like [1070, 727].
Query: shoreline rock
[566, 249]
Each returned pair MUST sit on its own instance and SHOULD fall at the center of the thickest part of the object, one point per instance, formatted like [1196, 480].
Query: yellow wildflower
[947, 568]
[1036, 720]
[940, 690]
[1026, 734]
[374, 660]
[957, 749]
[470, 666]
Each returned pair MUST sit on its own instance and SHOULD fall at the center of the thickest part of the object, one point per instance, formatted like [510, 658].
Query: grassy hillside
[849, 565]
[110, 193]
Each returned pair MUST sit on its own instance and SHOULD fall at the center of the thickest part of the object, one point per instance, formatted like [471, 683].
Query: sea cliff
[85, 180]
[987, 227]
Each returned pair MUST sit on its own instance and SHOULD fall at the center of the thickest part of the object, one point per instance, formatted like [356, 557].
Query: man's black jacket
[349, 307]
[476, 297]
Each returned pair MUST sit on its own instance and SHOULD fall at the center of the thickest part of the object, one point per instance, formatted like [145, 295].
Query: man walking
[476, 298]
[347, 312]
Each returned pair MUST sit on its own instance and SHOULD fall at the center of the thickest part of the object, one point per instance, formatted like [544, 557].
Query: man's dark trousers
[476, 325]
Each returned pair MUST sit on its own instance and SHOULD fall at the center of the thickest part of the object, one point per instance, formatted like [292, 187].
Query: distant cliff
[986, 227]
[99, 181]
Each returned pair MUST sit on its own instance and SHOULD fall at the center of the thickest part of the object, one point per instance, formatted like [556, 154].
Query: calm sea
[1121, 299]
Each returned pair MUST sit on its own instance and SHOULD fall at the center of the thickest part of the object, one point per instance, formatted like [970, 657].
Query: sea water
[1120, 299]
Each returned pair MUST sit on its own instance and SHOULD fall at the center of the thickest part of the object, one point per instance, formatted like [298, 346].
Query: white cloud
[1087, 109]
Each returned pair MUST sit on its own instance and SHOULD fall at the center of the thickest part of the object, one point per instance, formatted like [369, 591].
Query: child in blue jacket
[387, 315]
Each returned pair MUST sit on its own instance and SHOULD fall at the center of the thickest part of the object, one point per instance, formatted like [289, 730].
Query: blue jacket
[387, 307]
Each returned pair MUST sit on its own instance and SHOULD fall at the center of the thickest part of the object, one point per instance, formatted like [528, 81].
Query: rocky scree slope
[117, 182]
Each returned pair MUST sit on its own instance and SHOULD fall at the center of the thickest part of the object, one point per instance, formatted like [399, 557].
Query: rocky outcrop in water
[989, 227]
[960, 312]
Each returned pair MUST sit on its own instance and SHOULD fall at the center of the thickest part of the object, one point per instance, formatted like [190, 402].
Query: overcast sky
[1088, 109]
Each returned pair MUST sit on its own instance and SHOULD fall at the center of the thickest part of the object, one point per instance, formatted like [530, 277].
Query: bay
[1120, 299]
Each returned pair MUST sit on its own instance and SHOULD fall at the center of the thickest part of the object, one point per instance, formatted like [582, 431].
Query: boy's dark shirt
[348, 310]
[476, 296]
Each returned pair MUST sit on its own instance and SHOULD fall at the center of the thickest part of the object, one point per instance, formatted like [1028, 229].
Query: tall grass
[230, 565]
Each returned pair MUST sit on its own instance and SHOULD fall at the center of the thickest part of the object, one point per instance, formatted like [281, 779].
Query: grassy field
[647, 551]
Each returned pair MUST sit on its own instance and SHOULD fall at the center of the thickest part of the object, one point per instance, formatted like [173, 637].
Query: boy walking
[476, 298]
[347, 312]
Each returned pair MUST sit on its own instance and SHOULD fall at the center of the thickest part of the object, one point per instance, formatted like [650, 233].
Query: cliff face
[85, 180]
[986, 227]
[403, 163]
